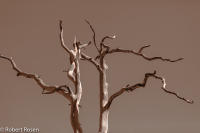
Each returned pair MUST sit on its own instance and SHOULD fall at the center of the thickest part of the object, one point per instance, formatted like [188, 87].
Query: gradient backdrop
[29, 33]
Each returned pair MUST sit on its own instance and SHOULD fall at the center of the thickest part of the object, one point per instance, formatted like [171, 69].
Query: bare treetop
[74, 94]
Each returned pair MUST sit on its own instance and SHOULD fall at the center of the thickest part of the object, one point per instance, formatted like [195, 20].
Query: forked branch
[128, 88]
[47, 89]
[108, 50]
[91, 60]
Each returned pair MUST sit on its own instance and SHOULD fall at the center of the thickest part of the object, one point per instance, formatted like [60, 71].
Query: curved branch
[103, 40]
[107, 37]
[142, 48]
[47, 89]
[139, 53]
[62, 38]
[128, 88]
[94, 35]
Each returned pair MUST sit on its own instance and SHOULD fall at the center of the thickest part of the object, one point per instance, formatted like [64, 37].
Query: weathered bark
[76, 104]
[103, 118]
[103, 127]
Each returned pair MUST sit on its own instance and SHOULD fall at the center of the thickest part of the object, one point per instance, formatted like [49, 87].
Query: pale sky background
[29, 33]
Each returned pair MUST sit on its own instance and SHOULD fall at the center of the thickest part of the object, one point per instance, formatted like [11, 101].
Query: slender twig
[107, 37]
[128, 88]
[103, 45]
[62, 38]
[142, 48]
[94, 35]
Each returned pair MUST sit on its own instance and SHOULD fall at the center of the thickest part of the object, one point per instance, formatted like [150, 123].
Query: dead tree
[104, 50]
[74, 95]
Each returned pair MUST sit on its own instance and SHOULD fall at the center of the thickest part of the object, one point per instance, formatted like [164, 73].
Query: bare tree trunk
[74, 76]
[103, 127]
[99, 62]
[75, 118]
[103, 118]
[76, 103]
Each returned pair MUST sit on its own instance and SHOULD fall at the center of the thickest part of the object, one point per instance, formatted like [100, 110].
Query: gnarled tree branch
[47, 89]
[128, 88]
[139, 53]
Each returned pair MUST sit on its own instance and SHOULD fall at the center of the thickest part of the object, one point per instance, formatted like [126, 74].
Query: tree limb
[128, 88]
[139, 53]
[62, 38]
[47, 89]
[94, 35]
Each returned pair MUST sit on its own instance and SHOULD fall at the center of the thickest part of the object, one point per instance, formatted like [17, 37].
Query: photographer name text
[19, 130]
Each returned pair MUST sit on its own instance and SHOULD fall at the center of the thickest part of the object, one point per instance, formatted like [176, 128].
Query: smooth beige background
[29, 33]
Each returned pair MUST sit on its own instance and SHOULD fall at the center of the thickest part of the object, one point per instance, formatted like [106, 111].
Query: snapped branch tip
[60, 24]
